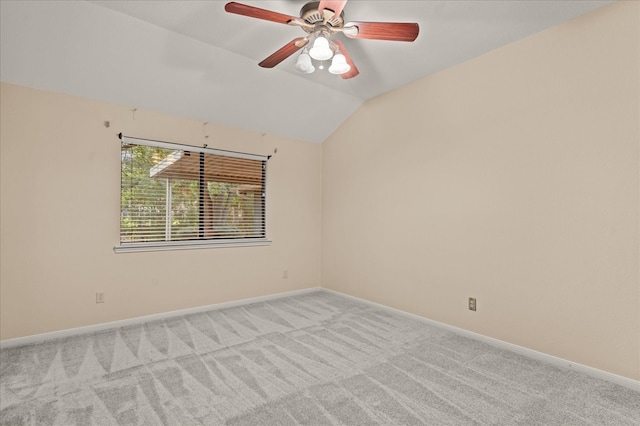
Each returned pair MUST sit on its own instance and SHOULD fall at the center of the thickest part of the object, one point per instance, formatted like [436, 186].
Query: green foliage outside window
[227, 210]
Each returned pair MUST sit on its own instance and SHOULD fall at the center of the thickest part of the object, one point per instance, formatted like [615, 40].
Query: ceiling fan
[321, 20]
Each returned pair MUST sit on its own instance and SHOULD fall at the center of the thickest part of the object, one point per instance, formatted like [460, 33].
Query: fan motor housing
[311, 15]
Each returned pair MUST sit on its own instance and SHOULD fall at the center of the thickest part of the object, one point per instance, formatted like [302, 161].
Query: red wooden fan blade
[335, 5]
[354, 70]
[394, 31]
[284, 52]
[256, 12]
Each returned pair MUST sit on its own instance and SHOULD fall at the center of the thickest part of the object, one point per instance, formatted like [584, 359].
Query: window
[175, 196]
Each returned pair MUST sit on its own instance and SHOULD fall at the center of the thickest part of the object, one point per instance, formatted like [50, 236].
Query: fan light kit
[321, 20]
[322, 50]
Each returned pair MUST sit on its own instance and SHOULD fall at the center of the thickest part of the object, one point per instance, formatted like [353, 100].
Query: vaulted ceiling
[192, 59]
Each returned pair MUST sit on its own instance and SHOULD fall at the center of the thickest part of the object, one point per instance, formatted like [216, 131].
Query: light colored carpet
[317, 359]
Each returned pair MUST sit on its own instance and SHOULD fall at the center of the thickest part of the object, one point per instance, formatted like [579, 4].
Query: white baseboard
[530, 353]
[39, 338]
[540, 356]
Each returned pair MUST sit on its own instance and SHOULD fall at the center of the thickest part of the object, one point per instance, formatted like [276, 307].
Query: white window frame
[200, 243]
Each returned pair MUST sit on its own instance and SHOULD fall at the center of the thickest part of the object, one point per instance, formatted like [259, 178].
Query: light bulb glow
[321, 50]
[339, 64]
[304, 64]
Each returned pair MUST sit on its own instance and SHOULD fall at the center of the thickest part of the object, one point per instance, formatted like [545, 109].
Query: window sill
[188, 245]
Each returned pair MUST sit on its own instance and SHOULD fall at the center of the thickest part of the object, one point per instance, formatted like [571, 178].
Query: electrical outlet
[472, 303]
[285, 274]
[99, 297]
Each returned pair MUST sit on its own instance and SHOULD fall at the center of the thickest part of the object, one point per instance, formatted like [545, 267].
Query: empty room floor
[316, 358]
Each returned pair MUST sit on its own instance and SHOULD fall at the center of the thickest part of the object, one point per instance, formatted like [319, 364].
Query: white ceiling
[192, 59]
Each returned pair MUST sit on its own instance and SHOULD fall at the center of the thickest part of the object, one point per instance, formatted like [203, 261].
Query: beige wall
[512, 178]
[60, 177]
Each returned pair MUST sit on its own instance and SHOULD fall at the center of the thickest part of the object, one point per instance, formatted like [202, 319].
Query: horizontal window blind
[173, 193]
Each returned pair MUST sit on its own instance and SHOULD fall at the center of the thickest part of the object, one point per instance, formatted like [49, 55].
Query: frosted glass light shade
[304, 64]
[339, 64]
[321, 50]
